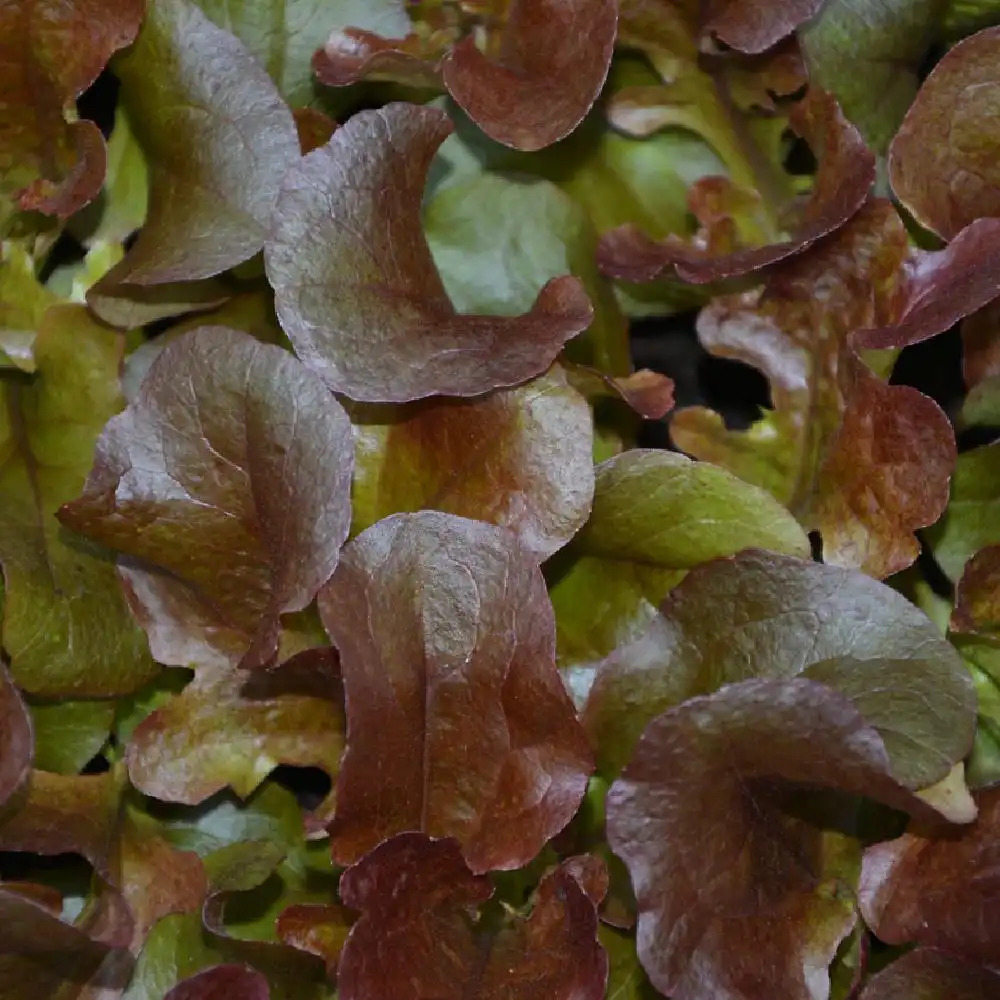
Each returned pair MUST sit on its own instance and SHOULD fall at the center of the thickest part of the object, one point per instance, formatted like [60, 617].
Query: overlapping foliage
[352, 646]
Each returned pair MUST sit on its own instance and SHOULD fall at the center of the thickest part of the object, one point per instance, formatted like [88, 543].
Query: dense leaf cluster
[318, 458]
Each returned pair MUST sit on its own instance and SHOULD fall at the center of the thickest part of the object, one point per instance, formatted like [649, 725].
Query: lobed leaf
[66, 627]
[518, 458]
[845, 175]
[765, 908]
[50, 52]
[863, 462]
[69, 734]
[977, 598]
[227, 728]
[356, 288]
[938, 888]
[551, 60]
[218, 138]
[787, 618]
[457, 721]
[415, 937]
[227, 481]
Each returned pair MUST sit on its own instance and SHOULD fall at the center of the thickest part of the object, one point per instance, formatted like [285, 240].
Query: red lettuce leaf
[520, 458]
[231, 728]
[927, 974]
[228, 479]
[16, 738]
[738, 891]
[356, 288]
[845, 176]
[551, 59]
[50, 52]
[977, 598]
[863, 462]
[218, 137]
[543, 65]
[939, 887]
[756, 25]
[458, 723]
[320, 929]
[785, 618]
[417, 937]
[940, 165]
[222, 982]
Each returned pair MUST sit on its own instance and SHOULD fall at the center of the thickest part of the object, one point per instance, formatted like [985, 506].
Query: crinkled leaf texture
[218, 138]
[739, 893]
[846, 173]
[50, 52]
[356, 288]
[458, 723]
[939, 887]
[941, 164]
[417, 936]
[863, 462]
[551, 62]
[542, 67]
[520, 458]
[230, 728]
[227, 484]
[784, 618]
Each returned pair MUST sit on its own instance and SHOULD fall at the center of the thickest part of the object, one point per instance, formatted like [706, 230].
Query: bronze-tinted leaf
[927, 974]
[230, 728]
[551, 61]
[885, 473]
[222, 982]
[50, 52]
[977, 599]
[939, 887]
[786, 617]
[756, 25]
[520, 458]
[458, 722]
[863, 462]
[739, 893]
[356, 288]
[942, 163]
[416, 937]
[228, 479]
[351, 54]
[16, 738]
[64, 814]
[317, 928]
[218, 138]
[845, 175]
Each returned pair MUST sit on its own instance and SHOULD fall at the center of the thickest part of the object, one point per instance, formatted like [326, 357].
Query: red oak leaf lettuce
[227, 484]
[457, 721]
[356, 288]
[415, 937]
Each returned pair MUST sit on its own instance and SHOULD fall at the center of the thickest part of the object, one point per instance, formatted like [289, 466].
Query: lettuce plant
[353, 644]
